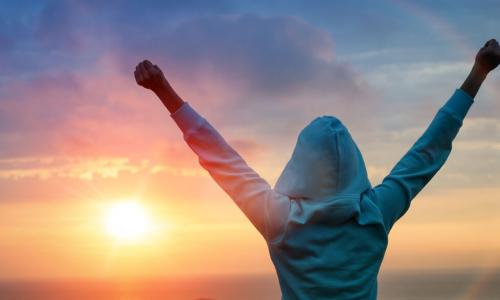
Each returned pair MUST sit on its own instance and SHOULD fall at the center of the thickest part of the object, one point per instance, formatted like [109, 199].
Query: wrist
[474, 80]
[478, 72]
[162, 89]
[169, 98]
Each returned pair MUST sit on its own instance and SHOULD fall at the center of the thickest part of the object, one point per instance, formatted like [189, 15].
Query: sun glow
[128, 221]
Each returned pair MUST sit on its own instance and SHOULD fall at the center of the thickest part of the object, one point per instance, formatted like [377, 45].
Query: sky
[77, 134]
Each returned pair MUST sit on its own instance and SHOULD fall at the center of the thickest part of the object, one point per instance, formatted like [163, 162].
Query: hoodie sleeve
[265, 208]
[417, 167]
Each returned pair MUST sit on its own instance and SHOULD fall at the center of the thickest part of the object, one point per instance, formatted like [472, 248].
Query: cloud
[220, 63]
[244, 71]
[257, 79]
[246, 57]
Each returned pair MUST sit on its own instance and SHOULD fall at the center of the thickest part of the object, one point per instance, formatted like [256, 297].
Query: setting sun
[127, 220]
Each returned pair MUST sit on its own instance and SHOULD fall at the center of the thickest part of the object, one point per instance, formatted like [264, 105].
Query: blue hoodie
[326, 227]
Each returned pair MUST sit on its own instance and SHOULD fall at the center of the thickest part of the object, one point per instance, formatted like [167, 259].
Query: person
[325, 226]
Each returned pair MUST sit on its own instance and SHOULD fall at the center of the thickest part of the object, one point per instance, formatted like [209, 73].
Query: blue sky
[355, 59]
[71, 114]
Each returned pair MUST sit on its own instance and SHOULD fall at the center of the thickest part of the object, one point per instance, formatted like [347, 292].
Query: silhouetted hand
[488, 57]
[150, 76]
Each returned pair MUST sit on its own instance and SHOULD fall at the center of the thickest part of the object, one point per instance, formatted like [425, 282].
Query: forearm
[431, 150]
[169, 98]
[225, 165]
[418, 166]
[438, 137]
[473, 82]
[230, 171]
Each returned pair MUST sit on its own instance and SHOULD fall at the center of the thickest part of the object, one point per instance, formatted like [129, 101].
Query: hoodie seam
[337, 160]
[285, 230]
[266, 216]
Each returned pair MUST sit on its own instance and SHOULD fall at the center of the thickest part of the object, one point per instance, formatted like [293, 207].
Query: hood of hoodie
[326, 174]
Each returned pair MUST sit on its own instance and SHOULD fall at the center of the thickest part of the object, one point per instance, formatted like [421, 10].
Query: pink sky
[77, 133]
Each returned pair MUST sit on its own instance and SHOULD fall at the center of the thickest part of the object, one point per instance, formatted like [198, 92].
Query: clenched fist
[488, 57]
[150, 76]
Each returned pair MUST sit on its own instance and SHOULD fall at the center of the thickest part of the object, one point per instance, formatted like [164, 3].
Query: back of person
[336, 230]
[334, 237]
[326, 227]
[324, 259]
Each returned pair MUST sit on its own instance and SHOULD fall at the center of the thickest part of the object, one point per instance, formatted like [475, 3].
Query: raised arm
[417, 167]
[266, 209]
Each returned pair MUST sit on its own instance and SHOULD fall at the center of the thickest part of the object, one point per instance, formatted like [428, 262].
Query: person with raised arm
[325, 225]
